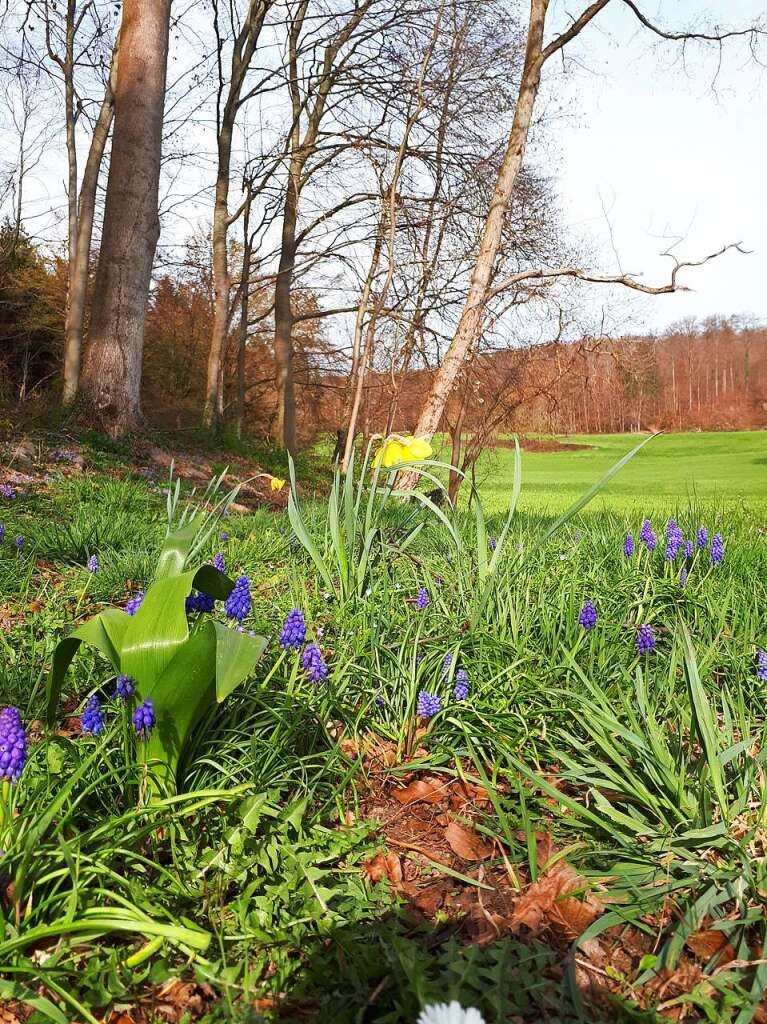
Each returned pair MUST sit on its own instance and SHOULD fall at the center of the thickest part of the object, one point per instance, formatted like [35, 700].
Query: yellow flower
[402, 449]
[276, 484]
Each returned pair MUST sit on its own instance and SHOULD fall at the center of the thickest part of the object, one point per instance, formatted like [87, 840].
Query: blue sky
[669, 149]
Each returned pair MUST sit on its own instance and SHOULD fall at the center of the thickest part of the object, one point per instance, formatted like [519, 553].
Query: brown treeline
[710, 375]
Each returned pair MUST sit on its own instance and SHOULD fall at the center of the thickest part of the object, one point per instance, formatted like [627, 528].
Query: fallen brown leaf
[429, 791]
[466, 843]
[707, 942]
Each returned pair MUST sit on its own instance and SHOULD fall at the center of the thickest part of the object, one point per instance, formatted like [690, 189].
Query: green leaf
[175, 550]
[237, 655]
[211, 581]
[705, 721]
[157, 630]
[103, 632]
[180, 695]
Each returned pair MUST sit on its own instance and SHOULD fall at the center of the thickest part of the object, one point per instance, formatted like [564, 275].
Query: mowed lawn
[726, 469]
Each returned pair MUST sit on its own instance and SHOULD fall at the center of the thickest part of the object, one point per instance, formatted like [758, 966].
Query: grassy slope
[722, 468]
[529, 663]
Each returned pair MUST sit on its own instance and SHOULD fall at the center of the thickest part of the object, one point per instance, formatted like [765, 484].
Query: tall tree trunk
[474, 307]
[247, 252]
[77, 290]
[221, 281]
[285, 419]
[111, 375]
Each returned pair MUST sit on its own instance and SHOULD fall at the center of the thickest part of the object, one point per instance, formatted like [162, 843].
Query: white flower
[454, 1013]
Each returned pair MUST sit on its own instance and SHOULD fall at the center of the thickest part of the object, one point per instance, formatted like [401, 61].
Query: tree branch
[623, 279]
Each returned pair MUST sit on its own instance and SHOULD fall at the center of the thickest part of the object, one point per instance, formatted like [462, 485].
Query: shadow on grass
[384, 972]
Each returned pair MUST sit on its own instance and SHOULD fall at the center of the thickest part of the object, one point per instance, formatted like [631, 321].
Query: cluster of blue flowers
[645, 640]
[13, 744]
[124, 687]
[144, 718]
[648, 536]
[134, 603]
[428, 704]
[675, 542]
[6, 491]
[239, 602]
[314, 664]
[461, 688]
[293, 631]
[92, 720]
[761, 665]
[199, 602]
[588, 616]
[93, 564]
[219, 563]
[422, 599]
[674, 539]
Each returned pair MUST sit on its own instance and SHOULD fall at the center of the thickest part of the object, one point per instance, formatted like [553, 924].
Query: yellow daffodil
[276, 484]
[401, 449]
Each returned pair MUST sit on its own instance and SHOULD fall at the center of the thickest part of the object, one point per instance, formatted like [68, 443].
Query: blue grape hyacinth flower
[645, 640]
[2, 534]
[293, 630]
[7, 491]
[428, 704]
[314, 664]
[588, 616]
[19, 542]
[92, 720]
[143, 718]
[717, 549]
[461, 688]
[219, 563]
[238, 603]
[93, 564]
[124, 687]
[702, 538]
[628, 545]
[447, 661]
[689, 549]
[761, 665]
[422, 600]
[13, 744]
[134, 603]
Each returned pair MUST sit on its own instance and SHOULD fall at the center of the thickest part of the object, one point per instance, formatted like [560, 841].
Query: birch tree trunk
[111, 375]
[471, 318]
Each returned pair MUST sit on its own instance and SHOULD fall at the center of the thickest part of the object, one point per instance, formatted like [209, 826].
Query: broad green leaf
[180, 695]
[209, 580]
[157, 630]
[175, 550]
[95, 633]
[237, 655]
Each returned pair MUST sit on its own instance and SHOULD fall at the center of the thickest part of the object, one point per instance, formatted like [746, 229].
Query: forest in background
[698, 375]
[291, 216]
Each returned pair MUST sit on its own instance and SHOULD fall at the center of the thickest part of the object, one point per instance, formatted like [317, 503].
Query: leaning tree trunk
[80, 265]
[285, 419]
[111, 377]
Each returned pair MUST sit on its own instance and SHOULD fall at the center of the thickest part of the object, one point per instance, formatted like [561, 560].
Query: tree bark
[244, 47]
[285, 419]
[77, 291]
[471, 318]
[112, 367]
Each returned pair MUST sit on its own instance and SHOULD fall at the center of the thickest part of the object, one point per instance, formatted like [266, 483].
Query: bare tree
[231, 96]
[112, 367]
[537, 53]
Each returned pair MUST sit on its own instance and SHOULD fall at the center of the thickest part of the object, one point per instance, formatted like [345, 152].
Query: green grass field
[727, 469]
[572, 828]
